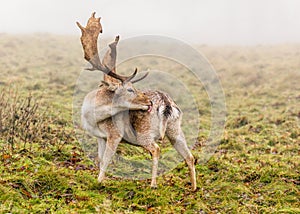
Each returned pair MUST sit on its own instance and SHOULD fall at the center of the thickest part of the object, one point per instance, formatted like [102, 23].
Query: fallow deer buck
[142, 127]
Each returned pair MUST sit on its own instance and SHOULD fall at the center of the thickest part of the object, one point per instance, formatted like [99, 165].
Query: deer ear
[104, 83]
[110, 86]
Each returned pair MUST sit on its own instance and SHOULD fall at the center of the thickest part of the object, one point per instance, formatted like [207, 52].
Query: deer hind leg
[176, 136]
[110, 150]
[154, 150]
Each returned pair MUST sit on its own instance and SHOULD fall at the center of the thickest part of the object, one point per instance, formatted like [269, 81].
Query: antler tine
[139, 79]
[131, 76]
[89, 40]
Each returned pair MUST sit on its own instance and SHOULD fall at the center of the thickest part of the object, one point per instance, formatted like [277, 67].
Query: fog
[194, 21]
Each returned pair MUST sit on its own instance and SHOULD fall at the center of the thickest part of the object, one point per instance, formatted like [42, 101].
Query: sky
[243, 22]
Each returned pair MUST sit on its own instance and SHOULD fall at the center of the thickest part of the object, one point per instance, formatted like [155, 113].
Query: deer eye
[130, 90]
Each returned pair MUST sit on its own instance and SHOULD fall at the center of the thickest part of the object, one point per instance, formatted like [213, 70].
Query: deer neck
[104, 106]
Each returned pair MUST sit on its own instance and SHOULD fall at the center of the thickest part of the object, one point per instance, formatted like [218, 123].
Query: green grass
[255, 169]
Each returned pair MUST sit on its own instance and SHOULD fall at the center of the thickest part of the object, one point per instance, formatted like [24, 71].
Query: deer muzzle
[143, 100]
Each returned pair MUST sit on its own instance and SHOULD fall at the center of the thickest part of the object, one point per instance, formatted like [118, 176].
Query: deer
[143, 127]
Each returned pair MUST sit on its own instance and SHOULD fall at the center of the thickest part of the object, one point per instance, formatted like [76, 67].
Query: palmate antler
[89, 40]
[109, 60]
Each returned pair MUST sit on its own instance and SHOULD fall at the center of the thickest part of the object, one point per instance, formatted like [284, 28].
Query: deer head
[121, 87]
[126, 96]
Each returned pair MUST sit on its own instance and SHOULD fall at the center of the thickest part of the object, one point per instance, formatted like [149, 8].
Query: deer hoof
[100, 178]
[194, 188]
[153, 185]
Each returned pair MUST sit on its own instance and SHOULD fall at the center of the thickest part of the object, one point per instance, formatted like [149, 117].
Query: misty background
[243, 22]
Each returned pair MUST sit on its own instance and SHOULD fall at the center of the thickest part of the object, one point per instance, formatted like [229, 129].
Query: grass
[255, 169]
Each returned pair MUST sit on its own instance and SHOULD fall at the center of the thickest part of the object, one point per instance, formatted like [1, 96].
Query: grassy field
[44, 168]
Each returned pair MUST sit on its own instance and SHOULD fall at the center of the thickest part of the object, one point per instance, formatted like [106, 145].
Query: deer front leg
[101, 149]
[154, 150]
[110, 149]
